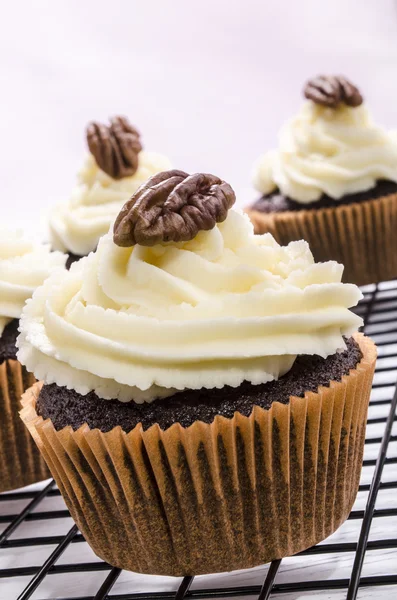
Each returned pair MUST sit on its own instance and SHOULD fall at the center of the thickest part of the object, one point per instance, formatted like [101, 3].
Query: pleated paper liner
[361, 236]
[214, 497]
[20, 461]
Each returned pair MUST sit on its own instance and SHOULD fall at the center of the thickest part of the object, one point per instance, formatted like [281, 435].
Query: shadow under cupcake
[333, 182]
[205, 390]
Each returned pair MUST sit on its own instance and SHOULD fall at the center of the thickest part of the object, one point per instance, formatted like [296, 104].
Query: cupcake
[113, 170]
[333, 182]
[199, 382]
[23, 267]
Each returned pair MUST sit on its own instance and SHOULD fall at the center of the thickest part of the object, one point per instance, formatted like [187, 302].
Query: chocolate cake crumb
[276, 202]
[8, 349]
[72, 258]
[67, 407]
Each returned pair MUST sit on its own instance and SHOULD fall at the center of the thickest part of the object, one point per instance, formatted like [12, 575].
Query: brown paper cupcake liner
[361, 236]
[215, 497]
[20, 461]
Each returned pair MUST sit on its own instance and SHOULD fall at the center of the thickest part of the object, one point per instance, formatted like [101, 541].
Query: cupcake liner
[215, 497]
[20, 461]
[361, 236]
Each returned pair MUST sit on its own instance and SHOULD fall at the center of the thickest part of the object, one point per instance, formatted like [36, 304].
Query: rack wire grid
[43, 556]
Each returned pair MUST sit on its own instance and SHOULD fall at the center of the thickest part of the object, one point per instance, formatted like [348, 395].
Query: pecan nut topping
[330, 90]
[173, 206]
[115, 147]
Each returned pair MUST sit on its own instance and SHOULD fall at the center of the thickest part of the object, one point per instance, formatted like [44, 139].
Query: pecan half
[330, 90]
[173, 206]
[115, 147]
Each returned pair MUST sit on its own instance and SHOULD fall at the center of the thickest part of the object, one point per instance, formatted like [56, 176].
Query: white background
[206, 82]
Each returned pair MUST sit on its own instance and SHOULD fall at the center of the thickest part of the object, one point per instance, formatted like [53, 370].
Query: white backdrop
[207, 82]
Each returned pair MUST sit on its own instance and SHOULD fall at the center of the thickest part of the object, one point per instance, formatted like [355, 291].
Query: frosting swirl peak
[77, 225]
[334, 151]
[24, 265]
[139, 323]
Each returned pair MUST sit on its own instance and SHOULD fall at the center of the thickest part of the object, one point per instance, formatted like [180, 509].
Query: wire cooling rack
[43, 556]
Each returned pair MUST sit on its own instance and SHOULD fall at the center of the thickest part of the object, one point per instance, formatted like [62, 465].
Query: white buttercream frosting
[77, 225]
[139, 323]
[328, 151]
[24, 265]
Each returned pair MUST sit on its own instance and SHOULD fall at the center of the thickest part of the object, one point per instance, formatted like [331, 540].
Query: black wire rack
[379, 310]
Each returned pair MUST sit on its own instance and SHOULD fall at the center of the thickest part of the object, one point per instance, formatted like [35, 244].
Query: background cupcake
[23, 267]
[200, 382]
[113, 170]
[333, 182]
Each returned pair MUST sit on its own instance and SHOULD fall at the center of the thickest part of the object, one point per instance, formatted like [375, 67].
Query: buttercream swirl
[333, 151]
[77, 225]
[139, 323]
[24, 265]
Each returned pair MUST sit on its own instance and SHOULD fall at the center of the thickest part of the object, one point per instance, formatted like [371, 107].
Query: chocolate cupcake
[333, 182]
[23, 267]
[198, 381]
[113, 170]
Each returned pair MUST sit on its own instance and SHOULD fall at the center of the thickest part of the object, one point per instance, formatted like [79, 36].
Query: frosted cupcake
[333, 182]
[200, 382]
[23, 267]
[113, 170]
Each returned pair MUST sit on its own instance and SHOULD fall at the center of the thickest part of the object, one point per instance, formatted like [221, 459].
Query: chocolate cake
[8, 349]
[72, 258]
[276, 202]
[66, 407]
